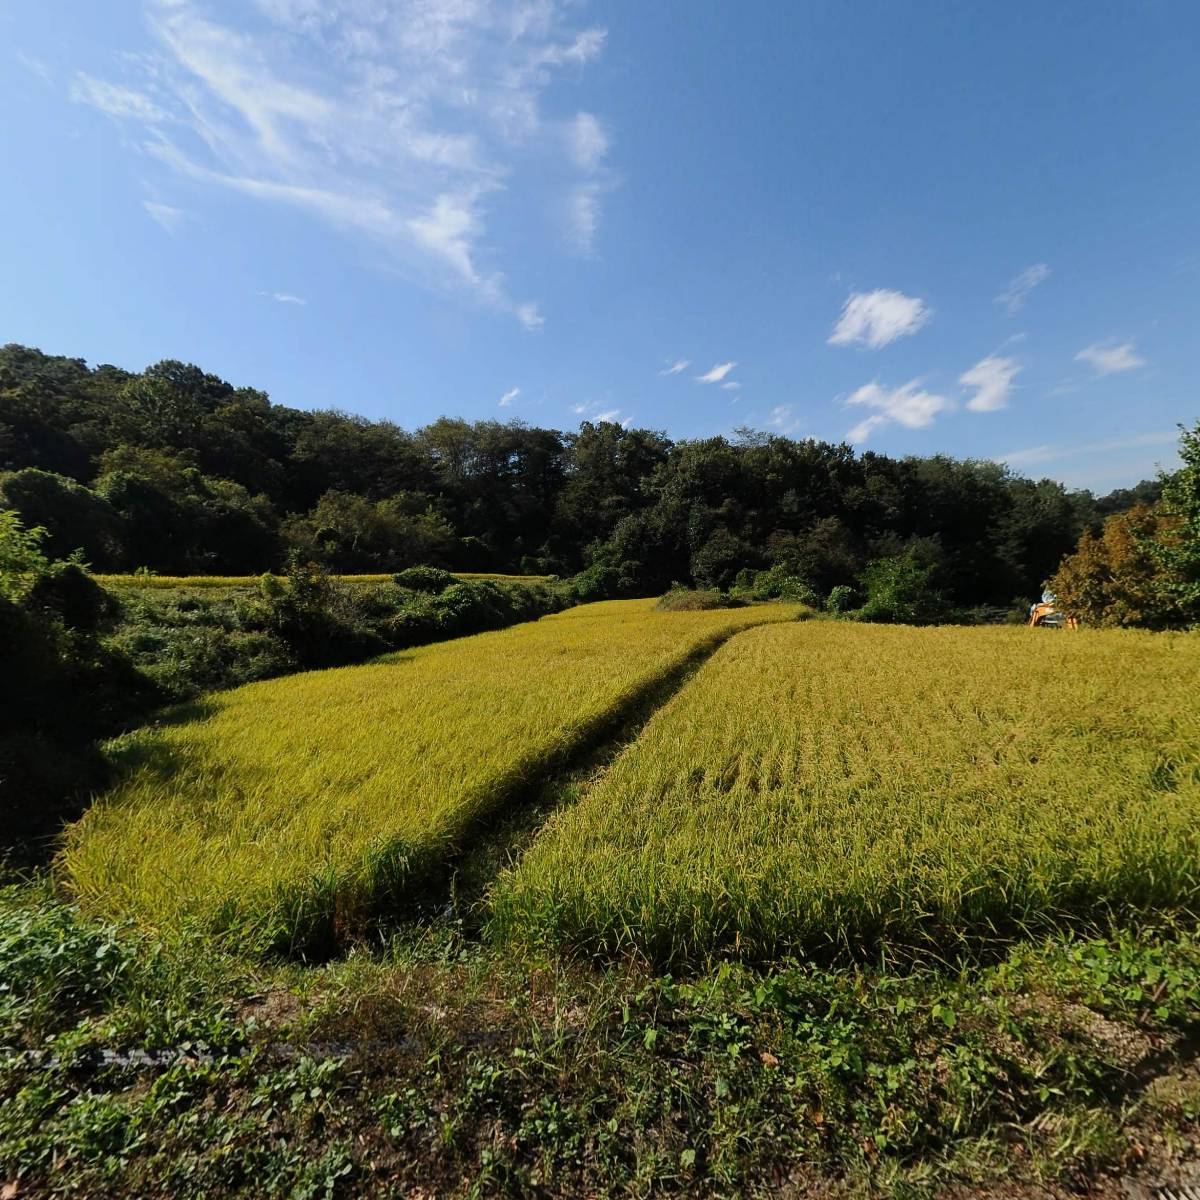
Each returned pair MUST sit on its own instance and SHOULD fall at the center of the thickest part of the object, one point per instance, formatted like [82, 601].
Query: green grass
[829, 788]
[442, 1067]
[288, 812]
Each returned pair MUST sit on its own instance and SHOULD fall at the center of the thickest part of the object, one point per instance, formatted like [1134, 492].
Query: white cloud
[167, 215]
[992, 378]
[35, 66]
[783, 418]
[677, 367]
[116, 101]
[730, 385]
[448, 229]
[531, 319]
[1107, 358]
[587, 145]
[717, 373]
[587, 141]
[393, 120]
[1017, 292]
[594, 410]
[1047, 453]
[288, 298]
[909, 405]
[583, 216]
[875, 319]
[509, 397]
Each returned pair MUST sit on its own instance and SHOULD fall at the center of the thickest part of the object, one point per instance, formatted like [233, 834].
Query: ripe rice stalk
[291, 811]
[833, 788]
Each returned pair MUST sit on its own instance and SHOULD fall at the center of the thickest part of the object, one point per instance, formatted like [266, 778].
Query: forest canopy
[177, 471]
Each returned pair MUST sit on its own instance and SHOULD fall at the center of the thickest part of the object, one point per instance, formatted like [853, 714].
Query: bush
[62, 689]
[317, 618]
[605, 581]
[68, 592]
[681, 599]
[775, 583]
[841, 599]
[899, 592]
[468, 607]
[424, 579]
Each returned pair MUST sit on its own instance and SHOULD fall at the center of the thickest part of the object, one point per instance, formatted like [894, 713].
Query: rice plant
[831, 788]
[288, 811]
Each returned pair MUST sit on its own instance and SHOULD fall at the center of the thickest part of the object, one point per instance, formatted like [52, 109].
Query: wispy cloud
[400, 121]
[583, 216]
[167, 215]
[783, 418]
[909, 405]
[731, 385]
[509, 397]
[288, 298]
[876, 319]
[530, 317]
[35, 66]
[677, 367]
[717, 373]
[116, 101]
[1033, 455]
[1017, 292]
[992, 381]
[1108, 358]
[587, 141]
[595, 410]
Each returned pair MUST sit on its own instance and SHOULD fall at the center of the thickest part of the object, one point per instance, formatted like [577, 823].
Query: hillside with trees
[176, 471]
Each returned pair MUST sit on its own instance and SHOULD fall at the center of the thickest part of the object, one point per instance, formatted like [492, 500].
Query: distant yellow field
[297, 805]
[830, 786]
[233, 581]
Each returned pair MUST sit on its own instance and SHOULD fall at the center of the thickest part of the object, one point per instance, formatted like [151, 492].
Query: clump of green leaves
[21, 558]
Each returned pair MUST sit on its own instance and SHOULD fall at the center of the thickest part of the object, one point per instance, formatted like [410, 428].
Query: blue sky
[960, 228]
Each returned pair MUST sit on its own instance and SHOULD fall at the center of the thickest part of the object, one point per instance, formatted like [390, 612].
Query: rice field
[166, 582]
[831, 788]
[288, 811]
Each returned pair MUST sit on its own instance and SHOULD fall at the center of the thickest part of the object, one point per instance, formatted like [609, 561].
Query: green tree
[1179, 550]
[74, 517]
[900, 591]
[1117, 577]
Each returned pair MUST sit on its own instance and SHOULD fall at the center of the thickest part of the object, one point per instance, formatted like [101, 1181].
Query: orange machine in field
[1046, 615]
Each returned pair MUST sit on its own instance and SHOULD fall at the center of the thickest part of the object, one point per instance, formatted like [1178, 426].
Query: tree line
[178, 471]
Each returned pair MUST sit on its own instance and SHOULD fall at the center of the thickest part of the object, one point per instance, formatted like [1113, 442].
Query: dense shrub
[468, 607]
[899, 591]
[68, 592]
[63, 687]
[317, 618]
[841, 599]
[775, 583]
[605, 580]
[424, 579]
[681, 599]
